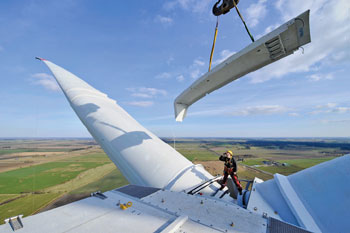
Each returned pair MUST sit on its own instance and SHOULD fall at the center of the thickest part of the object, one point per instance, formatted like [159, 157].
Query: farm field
[284, 156]
[40, 174]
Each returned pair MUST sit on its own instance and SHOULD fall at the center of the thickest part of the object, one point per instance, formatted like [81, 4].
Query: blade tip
[41, 59]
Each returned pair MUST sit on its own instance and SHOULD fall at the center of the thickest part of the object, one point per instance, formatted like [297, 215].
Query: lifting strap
[217, 24]
[213, 47]
[239, 14]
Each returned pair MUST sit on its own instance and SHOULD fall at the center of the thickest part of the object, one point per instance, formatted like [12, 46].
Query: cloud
[165, 21]
[140, 103]
[330, 108]
[195, 73]
[180, 78]
[45, 80]
[341, 110]
[170, 60]
[164, 75]
[269, 29]
[326, 121]
[195, 69]
[224, 54]
[141, 95]
[260, 110]
[326, 106]
[294, 114]
[189, 5]
[146, 92]
[247, 111]
[256, 12]
[198, 62]
[318, 77]
[320, 52]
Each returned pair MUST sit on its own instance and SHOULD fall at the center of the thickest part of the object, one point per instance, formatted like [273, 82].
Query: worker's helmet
[230, 152]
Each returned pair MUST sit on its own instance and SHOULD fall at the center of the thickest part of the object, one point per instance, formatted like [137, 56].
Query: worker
[230, 169]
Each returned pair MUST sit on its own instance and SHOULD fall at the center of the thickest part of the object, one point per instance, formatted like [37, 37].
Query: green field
[35, 178]
[26, 190]
[250, 175]
[252, 162]
[5, 197]
[293, 165]
[12, 151]
[110, 181]
[198, 155]
[305, 163]
[26, 205]
[37, 182]
[100, 157]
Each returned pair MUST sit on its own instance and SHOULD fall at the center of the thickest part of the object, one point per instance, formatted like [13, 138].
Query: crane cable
[213, 47]
[216, 32]
[239, 14]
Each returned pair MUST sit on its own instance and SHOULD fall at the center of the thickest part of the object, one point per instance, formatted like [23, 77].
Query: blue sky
[144, 53]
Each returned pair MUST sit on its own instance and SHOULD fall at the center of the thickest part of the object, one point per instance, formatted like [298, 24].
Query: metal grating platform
[277, 226]
[137, 191]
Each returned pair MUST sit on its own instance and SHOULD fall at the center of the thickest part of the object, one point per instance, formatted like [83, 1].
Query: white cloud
[164, 75]
[45, 80]
[326, 121]
[294, 114]
[198, 62]
[141, 95]
[180, 78]
[269, 29]
[195, 69]
[170, 5]
[326, 106]
[341, 110]
[195, 73]
[260, 110]
[189, 5]
[318, 77]
[224, 54]
[247, 111]
[329, 23]
[256, 12]
[330, 108]
[141, 103]
[165, 21]
[170, 60]
[146, 92]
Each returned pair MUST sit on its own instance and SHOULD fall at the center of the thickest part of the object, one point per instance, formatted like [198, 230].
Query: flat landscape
[40, 174]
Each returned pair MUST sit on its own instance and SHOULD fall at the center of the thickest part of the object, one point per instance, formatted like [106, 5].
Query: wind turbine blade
[279, 43]
[141, 156]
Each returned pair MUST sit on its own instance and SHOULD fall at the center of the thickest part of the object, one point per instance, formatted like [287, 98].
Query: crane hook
[225, 7]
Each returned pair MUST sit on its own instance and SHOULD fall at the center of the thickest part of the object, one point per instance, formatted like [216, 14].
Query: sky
[144, 54]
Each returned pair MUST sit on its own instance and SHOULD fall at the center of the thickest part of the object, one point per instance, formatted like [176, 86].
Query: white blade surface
[141, 156]
[277, 44]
